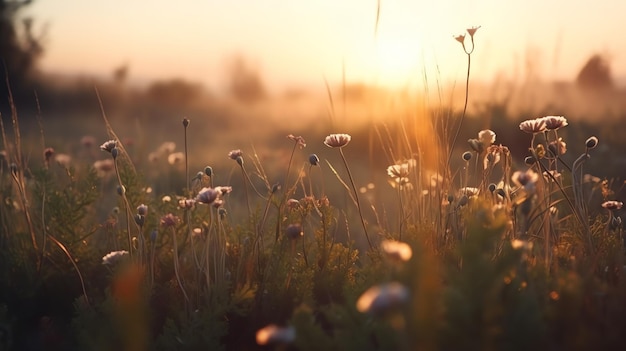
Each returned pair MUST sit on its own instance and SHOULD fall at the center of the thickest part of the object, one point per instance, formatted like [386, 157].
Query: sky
[305, 42]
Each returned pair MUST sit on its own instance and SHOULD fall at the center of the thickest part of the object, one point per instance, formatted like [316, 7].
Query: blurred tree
[245, 83]
[19, 48]
[595, 74]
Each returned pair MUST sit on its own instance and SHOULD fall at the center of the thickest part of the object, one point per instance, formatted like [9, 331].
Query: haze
[301, 43]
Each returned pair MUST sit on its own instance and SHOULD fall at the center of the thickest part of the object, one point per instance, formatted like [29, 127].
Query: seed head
[337, 140]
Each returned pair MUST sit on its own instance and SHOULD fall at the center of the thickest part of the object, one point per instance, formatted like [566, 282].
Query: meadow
[371, 221]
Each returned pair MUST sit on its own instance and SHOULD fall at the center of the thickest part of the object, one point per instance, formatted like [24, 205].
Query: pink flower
[337, 140]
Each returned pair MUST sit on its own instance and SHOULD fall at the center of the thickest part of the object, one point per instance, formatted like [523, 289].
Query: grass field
[355, 219]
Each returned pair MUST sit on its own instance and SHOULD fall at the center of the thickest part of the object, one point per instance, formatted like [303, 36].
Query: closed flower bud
[114, 152]
[142, 210]
[314, 160]
[140, 220]
[185, 122]
[591, 142]
[121, 190]
[467, 156]
[530, 160]
[208, 170]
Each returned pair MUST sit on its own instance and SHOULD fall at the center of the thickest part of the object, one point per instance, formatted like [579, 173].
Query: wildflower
[175, 158]
[471, 31]
[554, 122]
[591, 142]
[460, 38]
[469, 191]
[486, 137]
[274, 334]
[521, 245]
[108, 145]
[223, 190]
[207, 195]
[337, 140]
[525, 179]
[169, 220]
[382, 298]
[87, 141]
[492, 157]
[235, 154]
[48, 153]
[63, 159]
[533, 126]
[187, 204]
[167, 147]
[397, 251]
[398, 170]
[114, 257]
[552, 175]
[612, 205]
[298, 139]
[314, 160]
[142, 210]
[292, 204]
[104, 167]
[467, 155]
[557, 147]
[166, 199]
[294, 231]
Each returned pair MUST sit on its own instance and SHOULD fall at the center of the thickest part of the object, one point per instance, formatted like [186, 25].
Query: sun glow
[398, 59]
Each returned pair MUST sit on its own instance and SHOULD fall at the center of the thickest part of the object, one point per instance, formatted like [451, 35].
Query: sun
[397, 58]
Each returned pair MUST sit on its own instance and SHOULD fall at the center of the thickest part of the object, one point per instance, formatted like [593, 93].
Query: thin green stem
[356, 196]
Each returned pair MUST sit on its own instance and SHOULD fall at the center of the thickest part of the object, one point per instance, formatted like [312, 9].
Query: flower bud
[314, 160]
[208, 171]
[114, 152]
[592, 142]
[185, 122]
[467, 156]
